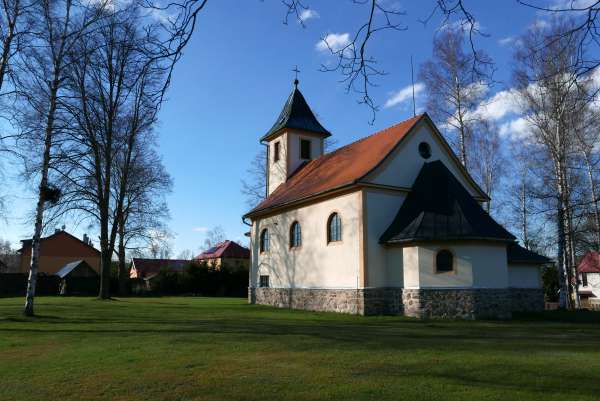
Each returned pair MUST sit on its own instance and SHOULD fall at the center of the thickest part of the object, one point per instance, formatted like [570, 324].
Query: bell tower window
[276, 152]
[305, 149]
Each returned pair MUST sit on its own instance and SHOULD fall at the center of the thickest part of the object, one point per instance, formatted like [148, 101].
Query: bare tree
[41, 79]
[213, 237]
[550, 90]
[454, 88]
[487, 164]
[117, 84]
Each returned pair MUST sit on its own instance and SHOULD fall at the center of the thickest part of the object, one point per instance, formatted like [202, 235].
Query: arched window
[444, 261]
[295, 235]
[264, 240]
[334, 228]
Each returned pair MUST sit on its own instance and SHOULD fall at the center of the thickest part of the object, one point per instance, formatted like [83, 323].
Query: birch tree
[42, 68]
[454, 88]
[551, 96]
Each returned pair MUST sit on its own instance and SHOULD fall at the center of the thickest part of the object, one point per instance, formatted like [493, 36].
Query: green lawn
[223, 349]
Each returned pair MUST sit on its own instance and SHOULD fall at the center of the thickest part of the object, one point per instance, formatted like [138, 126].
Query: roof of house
[150, 267]
[439, 208]
[345, 166]
[515, 253]
[27, 242]
[590, 263]
[225, 249]
[296, 114]
[69, 267]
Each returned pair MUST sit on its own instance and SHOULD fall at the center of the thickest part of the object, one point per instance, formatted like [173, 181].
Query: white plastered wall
[277, 170]
[315, 264]
[383, 265]
[476, 265]
[294, 137]
[524, 276]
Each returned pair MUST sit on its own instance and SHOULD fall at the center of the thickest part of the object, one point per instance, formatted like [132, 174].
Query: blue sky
[235, 76]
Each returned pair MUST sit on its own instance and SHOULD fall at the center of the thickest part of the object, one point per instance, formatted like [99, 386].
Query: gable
[401, 167]
[61, 244]
[341, 168]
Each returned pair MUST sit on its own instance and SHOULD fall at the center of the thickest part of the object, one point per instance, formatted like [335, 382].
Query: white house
[589, 277]
[391, 223]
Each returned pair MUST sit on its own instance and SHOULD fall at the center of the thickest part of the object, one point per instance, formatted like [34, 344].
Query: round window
[425, 150]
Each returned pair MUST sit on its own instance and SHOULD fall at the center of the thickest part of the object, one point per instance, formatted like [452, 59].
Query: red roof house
[228, 252]
[590, 263]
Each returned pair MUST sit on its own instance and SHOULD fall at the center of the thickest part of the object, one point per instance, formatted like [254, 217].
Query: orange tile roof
[345, 166]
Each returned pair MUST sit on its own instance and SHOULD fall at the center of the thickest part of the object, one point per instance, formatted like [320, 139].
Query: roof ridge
[417, 117]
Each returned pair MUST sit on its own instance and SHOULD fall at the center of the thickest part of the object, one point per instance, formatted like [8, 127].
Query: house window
[584, 279]
[305, 149]
[264, 281]
[276, 152]
[425, 150]
[295, 235]
[444, 261]
[334, 228]
[264, 240]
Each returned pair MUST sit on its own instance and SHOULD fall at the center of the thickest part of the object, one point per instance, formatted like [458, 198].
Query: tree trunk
[122, 268]
[39, 212]
[524, 217]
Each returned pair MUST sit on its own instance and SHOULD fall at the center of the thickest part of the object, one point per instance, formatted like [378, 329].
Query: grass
[224, 349]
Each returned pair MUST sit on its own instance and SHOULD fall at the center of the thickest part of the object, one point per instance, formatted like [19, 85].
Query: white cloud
[333, 41]
[575, 5]
[498, 106]
[506, 41]
[517, 129]
[404, 94]
[200, 229]
[307, 14]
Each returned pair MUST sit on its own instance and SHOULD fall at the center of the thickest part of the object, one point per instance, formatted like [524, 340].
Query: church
[389, 224]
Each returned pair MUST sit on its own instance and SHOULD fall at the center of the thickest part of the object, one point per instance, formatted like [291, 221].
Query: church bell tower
[296, 138]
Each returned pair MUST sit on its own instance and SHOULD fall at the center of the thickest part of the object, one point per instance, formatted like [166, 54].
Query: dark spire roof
[296, 114]
[440, 208]
[515, 253]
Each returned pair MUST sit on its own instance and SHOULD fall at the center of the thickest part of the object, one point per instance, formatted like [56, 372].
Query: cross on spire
[296, 70]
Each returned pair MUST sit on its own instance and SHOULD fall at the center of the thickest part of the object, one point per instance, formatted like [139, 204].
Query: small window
[334, 228]
[264, 282]
[584, 279]
[264, 240]
[444, 261]
[425, 150]
[304, 149]
[276, 154]
[295, 235]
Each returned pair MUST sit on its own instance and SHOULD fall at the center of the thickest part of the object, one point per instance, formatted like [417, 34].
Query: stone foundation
[526, 299]
[320, 300]
[476, 303]
[422, 303]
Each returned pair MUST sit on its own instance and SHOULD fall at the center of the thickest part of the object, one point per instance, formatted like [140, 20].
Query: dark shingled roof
[515, 253]
[296, 114]
[440, 208]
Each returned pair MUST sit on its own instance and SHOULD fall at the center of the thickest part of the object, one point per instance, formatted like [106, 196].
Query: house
[78, 277]
[148, 268]
[391, 223]
[589, 277]
[57, 250]
[227, 253]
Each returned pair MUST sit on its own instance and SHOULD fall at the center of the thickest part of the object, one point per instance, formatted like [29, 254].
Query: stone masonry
[476, 303]
[422, 303]
[527, 299]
